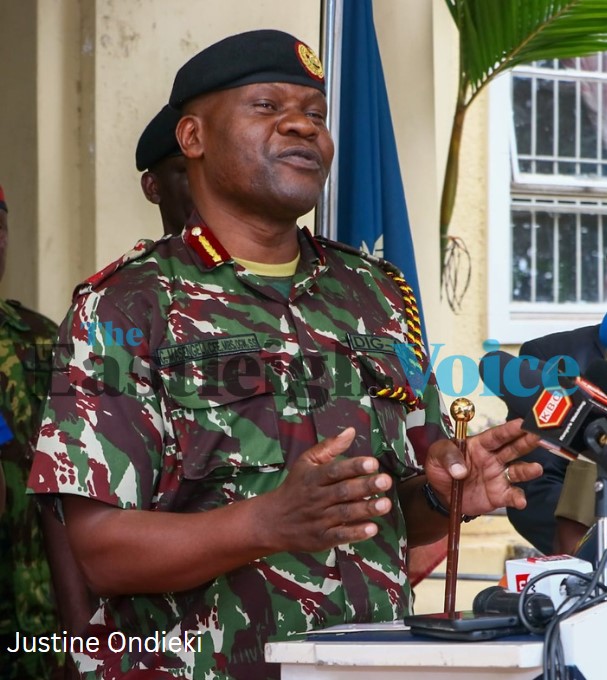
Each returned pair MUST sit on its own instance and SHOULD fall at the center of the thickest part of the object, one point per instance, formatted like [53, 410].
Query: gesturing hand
[489, 454]
[326, 500]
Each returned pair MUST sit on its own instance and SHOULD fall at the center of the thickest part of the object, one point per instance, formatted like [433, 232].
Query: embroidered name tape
[193, 351]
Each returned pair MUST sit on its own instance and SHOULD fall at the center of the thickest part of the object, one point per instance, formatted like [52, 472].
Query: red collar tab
[206, 245]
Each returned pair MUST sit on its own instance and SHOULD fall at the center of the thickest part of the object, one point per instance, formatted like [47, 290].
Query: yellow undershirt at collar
[273, 270]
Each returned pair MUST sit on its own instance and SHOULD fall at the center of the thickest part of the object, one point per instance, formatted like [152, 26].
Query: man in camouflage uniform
[26, 601]
[237, 447]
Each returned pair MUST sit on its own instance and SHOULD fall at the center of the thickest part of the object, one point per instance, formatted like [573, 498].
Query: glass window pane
[567, 168]
[521, 100]
[545, 117]
[544, 239]
[590, 258]
[567, 119]
[588, 169]
[521, 256]
[567, 259]
[588, 120]
[525, 166]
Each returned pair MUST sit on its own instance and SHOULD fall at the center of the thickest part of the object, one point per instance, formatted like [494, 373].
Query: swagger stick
[462, 411]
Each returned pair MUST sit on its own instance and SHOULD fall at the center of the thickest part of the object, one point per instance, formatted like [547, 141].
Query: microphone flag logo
[551, 408]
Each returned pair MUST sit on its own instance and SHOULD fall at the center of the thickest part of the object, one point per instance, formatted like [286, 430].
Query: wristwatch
[437, 506]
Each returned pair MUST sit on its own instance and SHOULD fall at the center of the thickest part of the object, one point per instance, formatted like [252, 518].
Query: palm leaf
[496, 35]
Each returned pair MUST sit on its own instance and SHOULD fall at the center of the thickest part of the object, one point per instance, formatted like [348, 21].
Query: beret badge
[309, 60]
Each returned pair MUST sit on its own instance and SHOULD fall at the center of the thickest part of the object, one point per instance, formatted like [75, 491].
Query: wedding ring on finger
[507, 475]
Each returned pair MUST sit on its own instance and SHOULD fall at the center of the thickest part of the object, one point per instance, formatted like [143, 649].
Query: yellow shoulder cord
[414, 339]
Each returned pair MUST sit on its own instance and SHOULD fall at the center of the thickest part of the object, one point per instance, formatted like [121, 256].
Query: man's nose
[297, 122]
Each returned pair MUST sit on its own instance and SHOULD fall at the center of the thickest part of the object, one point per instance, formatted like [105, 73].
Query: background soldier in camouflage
[164, 181]
[236, 444]
[26, 600]
[2, 491]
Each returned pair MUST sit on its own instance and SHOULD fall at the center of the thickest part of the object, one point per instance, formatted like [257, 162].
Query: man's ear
[189, 135]
[149, 184]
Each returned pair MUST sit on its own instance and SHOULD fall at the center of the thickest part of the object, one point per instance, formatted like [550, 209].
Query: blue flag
[371, 206]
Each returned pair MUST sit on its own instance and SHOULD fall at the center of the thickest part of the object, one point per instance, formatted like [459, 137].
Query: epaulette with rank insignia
[141, 248]
[414, 334]
[206, 245]
[346, 248]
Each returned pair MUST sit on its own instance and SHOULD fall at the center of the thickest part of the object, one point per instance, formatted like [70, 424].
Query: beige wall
[405, 35]
[63, 159]
[18, 141]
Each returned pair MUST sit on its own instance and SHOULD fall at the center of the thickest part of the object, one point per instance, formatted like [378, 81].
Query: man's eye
[317, 115]
[265, 105]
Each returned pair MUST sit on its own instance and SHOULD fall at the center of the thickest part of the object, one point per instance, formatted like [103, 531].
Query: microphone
[517, 380]
[538, 607]
[554, 401]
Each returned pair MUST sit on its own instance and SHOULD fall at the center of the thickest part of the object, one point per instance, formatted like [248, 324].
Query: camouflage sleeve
[102, 431]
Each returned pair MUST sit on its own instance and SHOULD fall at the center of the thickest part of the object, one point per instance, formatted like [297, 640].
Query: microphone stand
[595, 437]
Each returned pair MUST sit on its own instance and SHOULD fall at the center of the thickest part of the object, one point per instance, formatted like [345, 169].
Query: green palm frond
[496, 35]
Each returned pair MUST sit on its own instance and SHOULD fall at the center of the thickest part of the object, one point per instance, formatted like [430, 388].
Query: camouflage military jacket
[209, 386]
[26, 603]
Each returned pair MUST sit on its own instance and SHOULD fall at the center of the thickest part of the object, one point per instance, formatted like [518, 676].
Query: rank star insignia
[310, 61]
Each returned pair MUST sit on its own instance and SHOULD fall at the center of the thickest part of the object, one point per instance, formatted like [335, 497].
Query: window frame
[508, 321]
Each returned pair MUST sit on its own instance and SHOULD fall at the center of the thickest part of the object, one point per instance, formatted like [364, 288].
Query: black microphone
[553, 400]
[517, 381]
[538, 608]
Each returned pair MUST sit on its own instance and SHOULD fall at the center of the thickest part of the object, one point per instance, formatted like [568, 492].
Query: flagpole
[330, 54]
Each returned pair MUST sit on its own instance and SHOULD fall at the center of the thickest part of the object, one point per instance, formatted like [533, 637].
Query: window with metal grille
[548, 198]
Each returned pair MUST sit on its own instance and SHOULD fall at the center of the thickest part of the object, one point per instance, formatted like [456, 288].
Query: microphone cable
[591, 594]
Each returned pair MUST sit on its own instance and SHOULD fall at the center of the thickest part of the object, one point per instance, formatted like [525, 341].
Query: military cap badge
[310, 61]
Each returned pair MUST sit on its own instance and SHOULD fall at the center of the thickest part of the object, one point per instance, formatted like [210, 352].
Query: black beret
[265, 56]
[158, 139]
